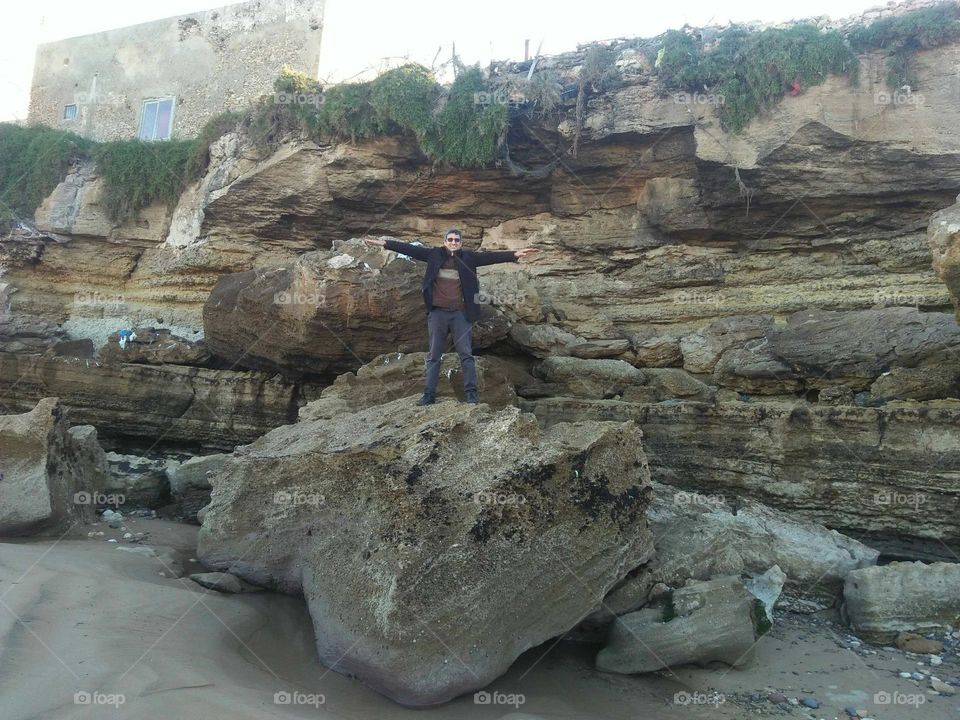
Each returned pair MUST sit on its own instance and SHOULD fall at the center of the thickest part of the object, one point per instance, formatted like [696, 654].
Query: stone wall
[210, 61]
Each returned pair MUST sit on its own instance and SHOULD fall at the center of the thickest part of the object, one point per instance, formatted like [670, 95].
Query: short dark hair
[452, 231]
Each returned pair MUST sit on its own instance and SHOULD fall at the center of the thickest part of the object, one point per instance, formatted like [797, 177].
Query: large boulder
[190, 482]
[327, 312]
[702, 350]
[817, 349]
[702, 535]
[433, 545]
[881, 602]
[598, 379]
[48, 476]
[718, 620]
[859, 346]
[396, 375]
[155, 347]
[140, 482]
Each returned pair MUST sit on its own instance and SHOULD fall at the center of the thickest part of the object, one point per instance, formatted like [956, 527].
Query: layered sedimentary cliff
[810, 260]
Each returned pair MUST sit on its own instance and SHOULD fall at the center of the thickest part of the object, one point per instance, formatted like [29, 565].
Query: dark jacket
[467, 263]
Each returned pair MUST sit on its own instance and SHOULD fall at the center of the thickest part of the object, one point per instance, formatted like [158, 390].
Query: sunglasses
[454, 239]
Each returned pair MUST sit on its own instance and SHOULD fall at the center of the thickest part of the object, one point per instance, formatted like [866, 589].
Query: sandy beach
[94, 629]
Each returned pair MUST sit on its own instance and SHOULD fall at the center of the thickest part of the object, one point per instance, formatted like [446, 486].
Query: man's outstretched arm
[492, 258]
[417, 252]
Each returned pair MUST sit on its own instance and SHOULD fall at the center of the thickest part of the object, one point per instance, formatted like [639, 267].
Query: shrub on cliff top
[33, 161]
[751, 71]
[902, 36]
[471, 124]
[138, 173]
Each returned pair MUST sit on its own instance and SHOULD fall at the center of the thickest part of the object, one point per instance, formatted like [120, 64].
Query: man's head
[452, 239]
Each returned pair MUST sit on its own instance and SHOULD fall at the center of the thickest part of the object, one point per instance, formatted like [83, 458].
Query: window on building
[69, 112]
[156, 119]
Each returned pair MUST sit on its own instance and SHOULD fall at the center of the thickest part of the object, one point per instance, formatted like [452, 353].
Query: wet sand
[80, 615]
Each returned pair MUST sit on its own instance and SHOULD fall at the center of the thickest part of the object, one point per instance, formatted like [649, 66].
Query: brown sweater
[446, 288]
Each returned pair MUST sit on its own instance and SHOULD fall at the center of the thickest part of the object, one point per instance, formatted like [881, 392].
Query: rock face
[700, 535]
[138, 403]
[881, 602]
[47, 474]
[190, 482]
[141, 482]
[712, 621]
[883, 475]
[943, 233]
[422, 535]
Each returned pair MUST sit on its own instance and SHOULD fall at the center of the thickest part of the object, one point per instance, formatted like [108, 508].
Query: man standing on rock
[450, 292]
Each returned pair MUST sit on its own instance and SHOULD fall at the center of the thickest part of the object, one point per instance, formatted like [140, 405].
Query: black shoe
[427, 399]
[472, 398]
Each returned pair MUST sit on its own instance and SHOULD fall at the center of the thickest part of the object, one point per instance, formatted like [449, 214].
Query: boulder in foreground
[881, 602]
[49, 477]
[433, 545]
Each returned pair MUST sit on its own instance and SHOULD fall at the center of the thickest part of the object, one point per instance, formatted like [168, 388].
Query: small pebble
[917, 676]
[810, 702]
[936, 660]
[905, 675]
[111, 540]
[851, 711]
[777, 698]
[793, 701]
[127, 535]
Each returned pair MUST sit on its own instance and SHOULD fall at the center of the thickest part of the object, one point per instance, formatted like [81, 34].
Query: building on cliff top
[164, 79]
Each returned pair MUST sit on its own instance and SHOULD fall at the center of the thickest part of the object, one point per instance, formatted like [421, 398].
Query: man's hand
[375, 241]
[523, 252]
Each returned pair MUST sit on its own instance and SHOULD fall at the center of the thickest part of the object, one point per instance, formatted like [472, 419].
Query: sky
[359, 34]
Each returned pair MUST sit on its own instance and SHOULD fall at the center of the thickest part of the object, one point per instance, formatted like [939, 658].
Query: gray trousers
[439, 323]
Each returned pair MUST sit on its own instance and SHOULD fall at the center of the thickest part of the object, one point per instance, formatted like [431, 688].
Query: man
[450, 292]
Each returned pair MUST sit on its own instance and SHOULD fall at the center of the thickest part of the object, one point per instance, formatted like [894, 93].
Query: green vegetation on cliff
[749, 71]
[745, 72]
[459, 125]
[32, 162]
[903, 36]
